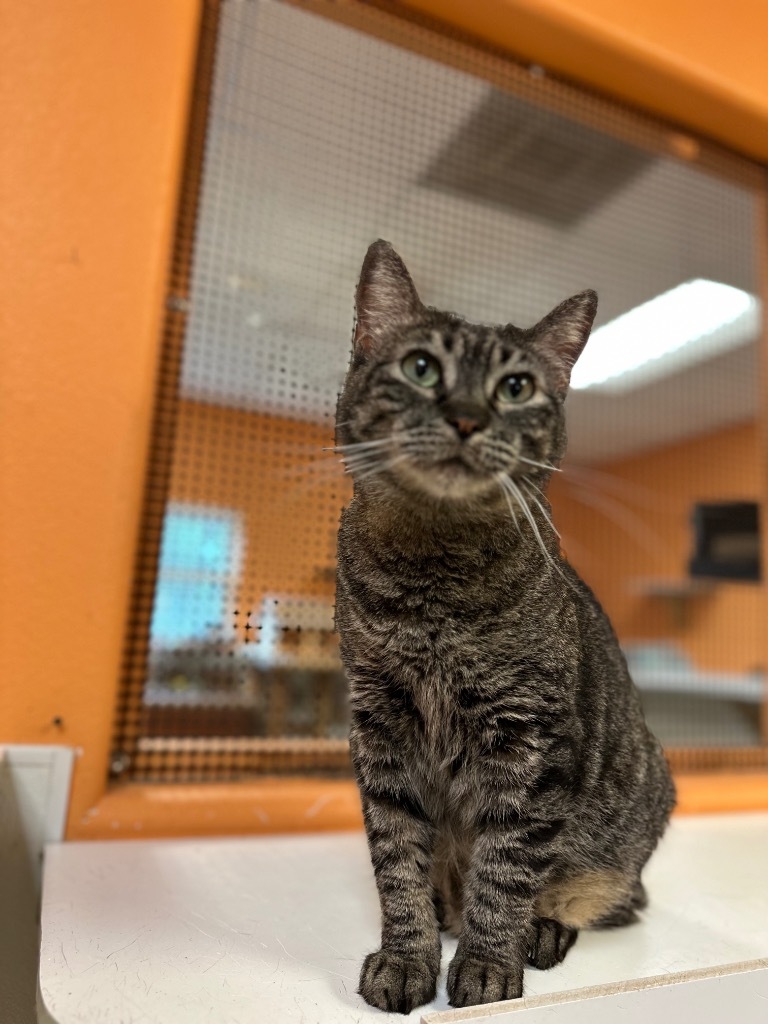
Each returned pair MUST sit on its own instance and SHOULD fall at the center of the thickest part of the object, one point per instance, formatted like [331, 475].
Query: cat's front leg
[403, 973]
[512, 859]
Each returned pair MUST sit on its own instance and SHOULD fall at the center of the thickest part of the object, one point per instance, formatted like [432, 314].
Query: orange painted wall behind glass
[285, 498]
[723, 630]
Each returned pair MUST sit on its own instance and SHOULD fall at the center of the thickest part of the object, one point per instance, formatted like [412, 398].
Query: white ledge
[274, 929]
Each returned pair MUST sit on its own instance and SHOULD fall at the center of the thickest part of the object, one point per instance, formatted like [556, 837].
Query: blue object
[197, 571]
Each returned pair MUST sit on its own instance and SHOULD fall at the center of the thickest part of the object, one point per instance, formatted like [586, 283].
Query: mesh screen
[505, 192]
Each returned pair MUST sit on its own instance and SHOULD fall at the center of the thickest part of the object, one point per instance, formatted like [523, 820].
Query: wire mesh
[316, 128]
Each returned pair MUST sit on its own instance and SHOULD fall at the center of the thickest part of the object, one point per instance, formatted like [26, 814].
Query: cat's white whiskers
[525, 509]
[387, 464]
[358, 469]
[528, 483]
[362, 445]
[586, 476]
[362, 459]
[508, 497]
[364, 455]
[539, 465]
[511, 488]
[624, 517]
[359, 458]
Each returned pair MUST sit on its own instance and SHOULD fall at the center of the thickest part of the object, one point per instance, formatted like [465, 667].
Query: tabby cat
[511, 790]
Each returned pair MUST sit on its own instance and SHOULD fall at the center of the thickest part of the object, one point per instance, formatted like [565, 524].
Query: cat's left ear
[386, 298]
[562, 334]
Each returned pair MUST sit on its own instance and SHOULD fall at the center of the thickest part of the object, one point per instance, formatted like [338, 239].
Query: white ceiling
[318, 138]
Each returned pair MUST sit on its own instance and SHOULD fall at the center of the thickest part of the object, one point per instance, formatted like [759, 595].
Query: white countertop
[240, 931]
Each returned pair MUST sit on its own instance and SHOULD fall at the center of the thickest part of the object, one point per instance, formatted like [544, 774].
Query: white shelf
[260, 931]
[722, 685]
[671, 587]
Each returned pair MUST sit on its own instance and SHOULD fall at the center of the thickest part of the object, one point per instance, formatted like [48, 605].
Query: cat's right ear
[385, 298]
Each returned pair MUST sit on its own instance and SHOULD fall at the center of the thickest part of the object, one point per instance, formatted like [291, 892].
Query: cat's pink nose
[465, 417]
[465, 425]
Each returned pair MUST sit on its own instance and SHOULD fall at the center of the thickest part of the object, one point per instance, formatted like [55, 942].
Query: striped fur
[511, 789]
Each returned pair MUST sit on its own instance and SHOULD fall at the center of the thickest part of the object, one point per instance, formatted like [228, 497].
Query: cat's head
[435, 406]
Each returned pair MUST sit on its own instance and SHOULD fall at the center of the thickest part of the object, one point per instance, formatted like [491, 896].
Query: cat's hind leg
[549, 942]
[593, 899]
[626, 912]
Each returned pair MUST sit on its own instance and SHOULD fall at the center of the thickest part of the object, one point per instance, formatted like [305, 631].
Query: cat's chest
[426, 675]
[431, 638]
[425, 608]
[437, 646]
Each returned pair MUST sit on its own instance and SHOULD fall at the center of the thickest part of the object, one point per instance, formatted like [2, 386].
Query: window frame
[118, 809]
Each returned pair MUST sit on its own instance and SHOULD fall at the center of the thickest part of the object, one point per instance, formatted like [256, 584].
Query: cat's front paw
[397, 983]
[472, 980]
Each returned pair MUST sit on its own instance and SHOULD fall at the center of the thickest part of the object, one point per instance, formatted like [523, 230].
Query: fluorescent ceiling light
[692, 322]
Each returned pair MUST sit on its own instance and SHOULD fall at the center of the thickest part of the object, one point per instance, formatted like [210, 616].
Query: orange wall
[273, 472]
[94, 105]
[723, 630]
[701, 65]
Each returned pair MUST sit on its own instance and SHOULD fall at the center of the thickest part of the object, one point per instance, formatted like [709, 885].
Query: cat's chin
[451, 480]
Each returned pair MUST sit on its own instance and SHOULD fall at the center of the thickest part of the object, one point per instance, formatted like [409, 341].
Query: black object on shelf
[727, 541]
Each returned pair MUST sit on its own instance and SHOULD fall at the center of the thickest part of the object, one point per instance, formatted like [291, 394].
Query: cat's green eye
[422, 368]
[516, 388]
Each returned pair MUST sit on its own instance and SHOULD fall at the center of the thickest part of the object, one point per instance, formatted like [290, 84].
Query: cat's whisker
[623, 517]
[300, 454]
[363, 453]
[362, 445]
[311, 478]
[525, 509]
[361, 468]
[387, 464]
[309, 468]
[509, 484]
[361, 457]
[356, 458]
[586, 476]
[356, 470]
[508, 498]
[539, 465]
[528, 483]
